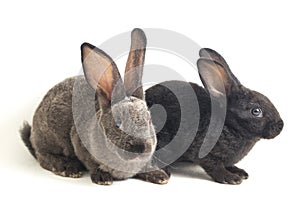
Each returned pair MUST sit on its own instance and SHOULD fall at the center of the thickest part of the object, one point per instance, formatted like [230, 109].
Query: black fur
[241, 129]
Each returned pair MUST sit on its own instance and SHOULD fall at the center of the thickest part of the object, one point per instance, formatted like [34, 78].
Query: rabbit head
[123, 115]
[248, 111]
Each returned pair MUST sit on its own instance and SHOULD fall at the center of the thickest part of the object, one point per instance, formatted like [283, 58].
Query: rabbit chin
[269, 135]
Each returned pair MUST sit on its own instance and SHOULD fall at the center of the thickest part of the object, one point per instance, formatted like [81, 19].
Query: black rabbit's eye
[257, 112]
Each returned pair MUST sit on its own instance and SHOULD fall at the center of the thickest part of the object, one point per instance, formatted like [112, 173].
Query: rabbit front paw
[228, 178]
[225, 177]
[101, 178]
[240, 172]
[158, 176]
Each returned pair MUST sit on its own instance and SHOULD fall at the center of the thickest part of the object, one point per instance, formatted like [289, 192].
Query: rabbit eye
[118, 124]
[257, 112]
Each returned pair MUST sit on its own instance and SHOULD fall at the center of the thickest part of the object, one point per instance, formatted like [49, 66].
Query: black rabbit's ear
[214, 77]
[135, 64]
[100, 71]
[213, 55]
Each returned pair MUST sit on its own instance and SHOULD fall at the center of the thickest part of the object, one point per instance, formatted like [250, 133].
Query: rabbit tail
[25, 135]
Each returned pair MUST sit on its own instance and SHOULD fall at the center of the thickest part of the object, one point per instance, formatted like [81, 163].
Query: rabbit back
[163, 94]
[53, 120]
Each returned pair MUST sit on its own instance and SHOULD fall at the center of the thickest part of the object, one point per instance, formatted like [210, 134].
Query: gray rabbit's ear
[214, 77]
[135, 64]
[101, 72]
[213, 55]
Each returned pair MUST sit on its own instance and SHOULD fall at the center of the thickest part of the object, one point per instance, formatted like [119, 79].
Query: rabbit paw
[158, 176]
[240, 172]
[101, 178]
[68, 172]
[60, 165]
[68, 168]
[227, 177]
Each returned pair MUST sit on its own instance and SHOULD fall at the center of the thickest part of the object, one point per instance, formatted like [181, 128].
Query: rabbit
[126, 141]
[250, 116]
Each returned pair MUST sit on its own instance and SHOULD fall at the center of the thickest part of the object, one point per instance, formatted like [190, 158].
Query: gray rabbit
[114, 138]
[249, 117]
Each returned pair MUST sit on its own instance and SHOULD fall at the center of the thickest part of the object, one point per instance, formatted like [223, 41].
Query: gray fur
[67, 138]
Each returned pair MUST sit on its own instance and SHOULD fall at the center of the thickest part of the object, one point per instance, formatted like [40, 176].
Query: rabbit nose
[277, 127]
[140, 148]
[274, 129]
[136, 150]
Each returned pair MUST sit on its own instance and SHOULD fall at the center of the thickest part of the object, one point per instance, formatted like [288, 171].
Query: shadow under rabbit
[189, 170]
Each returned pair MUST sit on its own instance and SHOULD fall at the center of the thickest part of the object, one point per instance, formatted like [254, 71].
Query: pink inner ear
[223, 75]
[219, 80]
[100, 71]
[214, 76]
[106, 81]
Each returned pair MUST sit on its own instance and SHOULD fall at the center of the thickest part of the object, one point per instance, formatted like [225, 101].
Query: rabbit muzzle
[136, 150]
[273, 129]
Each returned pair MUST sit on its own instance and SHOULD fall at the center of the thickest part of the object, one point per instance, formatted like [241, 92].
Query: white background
[39, 46]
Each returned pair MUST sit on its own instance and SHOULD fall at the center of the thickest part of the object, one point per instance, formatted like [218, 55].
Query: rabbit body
[96, 122]
[239, 146]
[57, 145]
[243, 127]
[52, 133]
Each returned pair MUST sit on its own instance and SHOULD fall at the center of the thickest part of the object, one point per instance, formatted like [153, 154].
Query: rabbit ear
[214, 77]
[101, 72]
[135, 64]
[213, 55]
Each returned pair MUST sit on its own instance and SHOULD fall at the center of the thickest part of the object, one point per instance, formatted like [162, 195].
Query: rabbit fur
[249, 117]
[114, 138]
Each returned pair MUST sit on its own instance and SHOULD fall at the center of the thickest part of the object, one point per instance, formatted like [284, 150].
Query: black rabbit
[249, 116]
